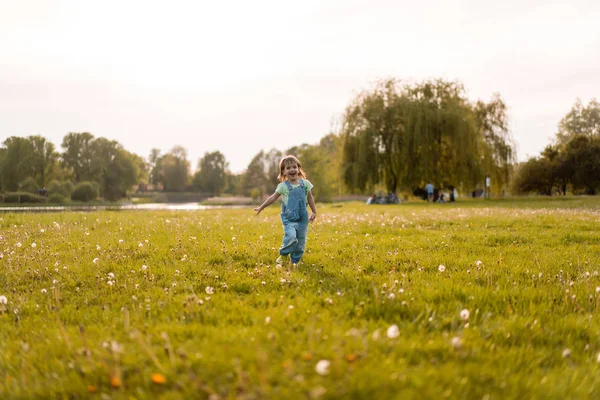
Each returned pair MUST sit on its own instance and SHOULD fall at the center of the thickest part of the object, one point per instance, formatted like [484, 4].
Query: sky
[241, 76]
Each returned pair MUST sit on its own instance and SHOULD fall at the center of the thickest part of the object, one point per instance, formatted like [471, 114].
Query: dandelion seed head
[209, 290]
[456, 342]
[566, 353]
[393, 332]
[441, 268]
[322, 367]
[3, 299]
[465, 314]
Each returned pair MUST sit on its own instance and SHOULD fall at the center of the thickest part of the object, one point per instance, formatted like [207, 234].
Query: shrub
[63, 188]
[32, 198]
[12, 197]
[85, 191]
[29, 185]
[57, 198]
[23, 197]
[1, 198]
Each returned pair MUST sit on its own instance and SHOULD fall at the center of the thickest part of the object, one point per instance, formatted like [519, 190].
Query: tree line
[572, 162]
[396, 136]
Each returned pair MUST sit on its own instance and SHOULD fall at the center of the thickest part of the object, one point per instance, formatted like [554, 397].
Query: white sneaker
[282, 260]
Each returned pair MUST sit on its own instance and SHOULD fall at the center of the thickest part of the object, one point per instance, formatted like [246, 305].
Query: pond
[145, 207]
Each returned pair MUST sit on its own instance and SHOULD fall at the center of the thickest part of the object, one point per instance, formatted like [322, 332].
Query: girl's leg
[289, 239]
[298, 250]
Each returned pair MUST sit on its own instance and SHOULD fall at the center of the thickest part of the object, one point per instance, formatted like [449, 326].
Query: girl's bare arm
[313, 206]
[270, 200]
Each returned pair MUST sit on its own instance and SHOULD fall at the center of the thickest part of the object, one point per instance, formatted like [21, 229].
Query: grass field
[477, 300]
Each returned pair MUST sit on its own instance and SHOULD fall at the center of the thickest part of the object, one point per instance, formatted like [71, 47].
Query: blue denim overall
[295, 223]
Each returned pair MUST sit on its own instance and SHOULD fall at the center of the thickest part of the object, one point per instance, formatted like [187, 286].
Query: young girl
[296, 192]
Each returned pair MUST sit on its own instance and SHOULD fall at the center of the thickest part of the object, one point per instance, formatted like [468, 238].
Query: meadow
[475, 300]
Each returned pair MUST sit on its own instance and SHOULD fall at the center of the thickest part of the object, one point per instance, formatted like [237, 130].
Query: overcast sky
[241, 76]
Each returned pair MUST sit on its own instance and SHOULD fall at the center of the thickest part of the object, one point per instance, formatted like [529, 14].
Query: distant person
[372, 199]
[441, 199]
[297, 192]
[429, 189]
[488, 184]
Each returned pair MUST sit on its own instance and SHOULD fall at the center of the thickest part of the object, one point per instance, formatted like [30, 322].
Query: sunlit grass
[191, 304]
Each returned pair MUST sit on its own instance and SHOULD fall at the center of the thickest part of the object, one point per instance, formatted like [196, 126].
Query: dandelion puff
[393, 332]
[109, 283]
[3, 299]
[441, 268]
[322, 367]
[456, 342]
[42, 230]
[465, 314]
[111, 275]
[263, 283]
[598, 358]
[144, 267]
[120, 241]
[140, 244]
[597, 289]
[478, 263]
[44, 290]
[33, 245]
[209, 290]
[18, 244]
[566, 353]
[95, 260]
[267, 320]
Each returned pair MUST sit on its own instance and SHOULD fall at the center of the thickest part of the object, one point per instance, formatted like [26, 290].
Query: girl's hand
[312, 218]
[258, 210]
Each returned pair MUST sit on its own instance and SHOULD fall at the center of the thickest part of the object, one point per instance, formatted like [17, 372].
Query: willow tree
[405, 135]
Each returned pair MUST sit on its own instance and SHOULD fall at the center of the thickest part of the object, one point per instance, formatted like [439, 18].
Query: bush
[85, 191]
[12, 197]
[63, 188]
[1, 198]
[29, 185]
[57, 198]
[23, 197]
[32, 198]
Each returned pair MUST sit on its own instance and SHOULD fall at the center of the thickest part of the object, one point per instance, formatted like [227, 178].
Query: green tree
[113, 168]
[403, 135]
[17, 162]
[580, 121]
[582, 155]
[210, 176]
[44, 159]
[174, 170]
[78, 154]
[262, 172]
[154, 167]
[534, 176]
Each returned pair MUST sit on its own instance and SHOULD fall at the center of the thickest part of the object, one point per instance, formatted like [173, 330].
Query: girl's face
[290, 171]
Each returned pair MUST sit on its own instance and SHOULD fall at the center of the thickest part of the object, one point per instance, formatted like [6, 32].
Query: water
[145, 207]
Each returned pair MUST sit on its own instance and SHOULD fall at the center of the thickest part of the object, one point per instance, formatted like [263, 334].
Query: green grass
[526, 269]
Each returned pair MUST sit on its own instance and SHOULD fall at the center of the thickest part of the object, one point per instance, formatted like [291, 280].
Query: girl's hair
[290, 160]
